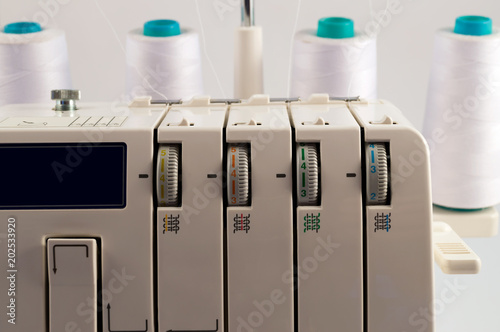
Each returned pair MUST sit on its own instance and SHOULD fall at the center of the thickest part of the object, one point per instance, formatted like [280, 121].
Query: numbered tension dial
[168, 171]
[377, 174]
[308, 174]
[238, 174]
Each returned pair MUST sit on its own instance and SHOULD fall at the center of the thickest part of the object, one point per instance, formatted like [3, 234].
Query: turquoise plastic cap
[335, 27]
[458, 209]
[473, 25]
[162, 28]
[22, 27]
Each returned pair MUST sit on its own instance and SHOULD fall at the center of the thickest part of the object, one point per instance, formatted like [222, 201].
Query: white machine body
[259, 233]
[208, 215]
[398, 248]
[76, 215]
[330, 255]
[190, 233]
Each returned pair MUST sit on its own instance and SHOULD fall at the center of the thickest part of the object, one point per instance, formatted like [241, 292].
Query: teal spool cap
[22, 28]
[335, 27]
[473, 25]
[459, 209]
[162, 28]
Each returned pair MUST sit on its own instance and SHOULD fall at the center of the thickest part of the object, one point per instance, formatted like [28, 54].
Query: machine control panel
[211, 215]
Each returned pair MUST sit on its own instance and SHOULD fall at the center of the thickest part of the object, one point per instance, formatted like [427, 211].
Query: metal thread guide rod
[248, 68]
[247, 13]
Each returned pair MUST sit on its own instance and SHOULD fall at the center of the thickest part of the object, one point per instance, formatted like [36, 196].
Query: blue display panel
[63, 176]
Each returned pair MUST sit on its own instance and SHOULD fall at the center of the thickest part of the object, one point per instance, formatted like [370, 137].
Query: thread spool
[335, 60]
[462, 122]
[163, 61]
[33, 61]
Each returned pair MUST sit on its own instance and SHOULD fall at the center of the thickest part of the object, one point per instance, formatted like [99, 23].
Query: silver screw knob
[65, 99]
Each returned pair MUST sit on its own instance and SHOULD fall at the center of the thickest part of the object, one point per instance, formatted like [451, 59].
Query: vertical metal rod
[247, 13]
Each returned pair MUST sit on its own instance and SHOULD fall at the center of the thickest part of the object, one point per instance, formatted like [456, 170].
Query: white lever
[451, 253]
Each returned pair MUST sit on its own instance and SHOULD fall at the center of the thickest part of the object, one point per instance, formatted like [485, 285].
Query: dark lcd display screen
[63, 176]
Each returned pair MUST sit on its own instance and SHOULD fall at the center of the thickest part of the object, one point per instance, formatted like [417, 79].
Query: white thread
[340, 67]
[462, 122]
[31, 65]
[164, 67]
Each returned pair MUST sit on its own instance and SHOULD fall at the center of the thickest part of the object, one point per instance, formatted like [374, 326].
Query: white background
[96, 31]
